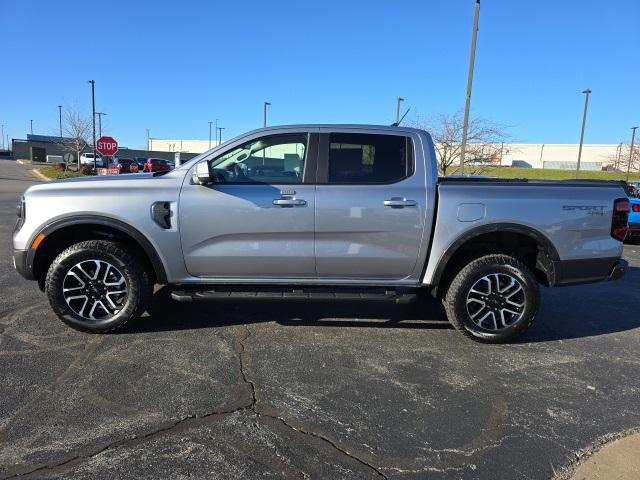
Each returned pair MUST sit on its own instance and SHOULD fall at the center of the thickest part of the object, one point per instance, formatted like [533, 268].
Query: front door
[370, 207]
[256, 220]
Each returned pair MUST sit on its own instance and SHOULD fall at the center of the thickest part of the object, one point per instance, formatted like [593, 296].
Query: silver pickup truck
[317, 211]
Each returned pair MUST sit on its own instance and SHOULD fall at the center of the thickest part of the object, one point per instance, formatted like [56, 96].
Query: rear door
[370, 206]
[256, 220]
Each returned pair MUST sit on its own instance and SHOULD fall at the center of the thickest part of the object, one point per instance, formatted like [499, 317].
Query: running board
[233, 292]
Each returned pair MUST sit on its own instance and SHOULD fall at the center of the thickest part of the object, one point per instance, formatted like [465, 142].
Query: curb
[23, 162]
[37, 174]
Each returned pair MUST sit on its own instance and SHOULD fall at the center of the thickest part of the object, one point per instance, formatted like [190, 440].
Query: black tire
[138, 285]
[463, 305]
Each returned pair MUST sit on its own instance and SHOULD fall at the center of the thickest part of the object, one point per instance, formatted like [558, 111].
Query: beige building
[531, 155]
[555, 155]
[178, 145]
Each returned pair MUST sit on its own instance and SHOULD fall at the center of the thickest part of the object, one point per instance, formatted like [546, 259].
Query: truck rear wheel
[98, 286]
[492, 299]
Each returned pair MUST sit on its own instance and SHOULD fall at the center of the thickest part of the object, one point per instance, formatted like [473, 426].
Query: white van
[88, 158]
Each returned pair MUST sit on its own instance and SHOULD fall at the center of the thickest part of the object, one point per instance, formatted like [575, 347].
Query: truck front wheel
[97, 286]
[492, 299]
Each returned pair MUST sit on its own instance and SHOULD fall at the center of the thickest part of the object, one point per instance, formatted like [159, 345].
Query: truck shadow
[566, 313]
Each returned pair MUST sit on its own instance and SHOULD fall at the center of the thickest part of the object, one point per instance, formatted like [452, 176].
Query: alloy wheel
[496, 301]
[95, 290]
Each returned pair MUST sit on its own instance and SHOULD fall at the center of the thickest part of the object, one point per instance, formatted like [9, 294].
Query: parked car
[318, 211]
[156, 165]
[141, 161]
[124, 164]
[634, 220]
[87, 158]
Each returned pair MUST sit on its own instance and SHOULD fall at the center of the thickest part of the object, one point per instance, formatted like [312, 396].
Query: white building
[178, 145]
[530, 155]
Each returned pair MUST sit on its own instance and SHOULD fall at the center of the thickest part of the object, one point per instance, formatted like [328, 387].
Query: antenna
[397, 124]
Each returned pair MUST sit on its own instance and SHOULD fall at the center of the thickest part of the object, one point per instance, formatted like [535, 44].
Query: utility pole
[100, 122]
[266, 104]
[584, 121]
[31, 126]
[60, 118]
[467, 105]
[400, 99]
[210, 134]
[633, 138]
[93, 118]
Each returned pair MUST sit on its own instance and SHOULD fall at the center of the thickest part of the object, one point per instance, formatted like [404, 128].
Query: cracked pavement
[233, 389]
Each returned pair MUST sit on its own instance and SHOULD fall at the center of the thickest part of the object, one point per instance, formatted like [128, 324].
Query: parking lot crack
[326, 440]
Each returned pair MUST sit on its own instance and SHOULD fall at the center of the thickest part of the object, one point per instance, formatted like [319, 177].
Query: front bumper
[20, 262]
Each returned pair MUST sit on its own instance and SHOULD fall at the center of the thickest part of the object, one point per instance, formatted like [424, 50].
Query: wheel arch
[66, 231]
[526, 243]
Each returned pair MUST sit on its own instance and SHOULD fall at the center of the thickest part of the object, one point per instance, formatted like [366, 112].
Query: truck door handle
[289, 202]
[399, 202]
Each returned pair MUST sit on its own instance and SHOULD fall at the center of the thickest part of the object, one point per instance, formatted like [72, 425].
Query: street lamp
[467, 105]
[31, 126]
[220, 134]
[400, 99]
[100, 122]
[93, 118]
[584, 121]
[210, 134]
[2, 137]
[60, 118]
[633, 138]
[266, 104]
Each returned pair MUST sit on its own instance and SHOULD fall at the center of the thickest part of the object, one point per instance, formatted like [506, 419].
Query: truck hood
[111, 183]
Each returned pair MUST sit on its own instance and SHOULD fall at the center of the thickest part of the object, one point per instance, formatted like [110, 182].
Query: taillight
[635, 207]
[619, 223]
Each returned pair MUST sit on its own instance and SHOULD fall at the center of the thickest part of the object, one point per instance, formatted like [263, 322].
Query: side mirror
[201, 175]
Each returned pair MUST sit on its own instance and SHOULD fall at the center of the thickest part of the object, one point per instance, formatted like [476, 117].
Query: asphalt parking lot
[310, 390]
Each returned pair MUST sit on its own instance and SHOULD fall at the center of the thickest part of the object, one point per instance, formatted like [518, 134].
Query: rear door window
[356, 158]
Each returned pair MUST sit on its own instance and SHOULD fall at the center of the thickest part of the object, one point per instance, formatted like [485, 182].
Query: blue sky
[173, 66]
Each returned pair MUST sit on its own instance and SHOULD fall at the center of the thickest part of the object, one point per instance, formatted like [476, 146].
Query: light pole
[264, 113]
[100, 122]
[2, 136]
[210, 134]
[93, 118]
[400, 99]
[31, 126]
[220, 134]
[147, 147]
[60, 118]
[584, 122]
[216, 130]
[467, 105]
[633, 138]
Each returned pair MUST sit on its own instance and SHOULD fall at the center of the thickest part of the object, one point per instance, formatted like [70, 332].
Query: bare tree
[484, 140]
[625, 151]
[76, 129]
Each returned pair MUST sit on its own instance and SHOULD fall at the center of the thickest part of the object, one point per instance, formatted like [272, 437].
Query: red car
[156, 165]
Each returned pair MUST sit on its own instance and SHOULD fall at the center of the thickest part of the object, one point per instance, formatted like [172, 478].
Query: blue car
[634, 220]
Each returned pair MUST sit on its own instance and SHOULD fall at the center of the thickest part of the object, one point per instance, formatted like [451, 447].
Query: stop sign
[107, 146]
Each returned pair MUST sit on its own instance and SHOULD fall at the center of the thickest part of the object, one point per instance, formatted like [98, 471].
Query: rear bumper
[634, 229]
[573, 272]
[21, 264]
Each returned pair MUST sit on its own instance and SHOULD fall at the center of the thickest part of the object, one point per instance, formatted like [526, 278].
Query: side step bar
[292, 293]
